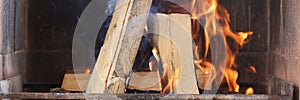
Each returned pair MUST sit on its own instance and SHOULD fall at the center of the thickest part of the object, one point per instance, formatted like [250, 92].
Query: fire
[155, 53]
[153, 64]
[171, 81]
[231, 77]
[217, 30]
[87, 71]
[217, 21]
[204, 66]
[167, 81]
[250, 90]
[253, 69]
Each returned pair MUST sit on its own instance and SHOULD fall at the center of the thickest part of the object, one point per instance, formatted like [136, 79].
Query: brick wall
[251, 15]
[274, 47]
[12, 44]
[285, 42]
[50, 37]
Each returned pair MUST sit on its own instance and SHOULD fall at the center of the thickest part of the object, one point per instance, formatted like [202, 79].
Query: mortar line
[15, 24]
[268, 12]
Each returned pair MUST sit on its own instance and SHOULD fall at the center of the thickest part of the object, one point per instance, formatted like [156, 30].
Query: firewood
[174, 43]
[150, 81]
[145, 81]
[117, 55]
[75, 82]
[159, 26]
[181, 30]
[204, 81]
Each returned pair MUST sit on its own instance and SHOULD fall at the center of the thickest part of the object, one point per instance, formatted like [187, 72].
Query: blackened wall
[50, 33]
[251, 15]
[13, 48]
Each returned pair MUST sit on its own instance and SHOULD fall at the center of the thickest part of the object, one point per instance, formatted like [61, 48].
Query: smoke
[111, 6]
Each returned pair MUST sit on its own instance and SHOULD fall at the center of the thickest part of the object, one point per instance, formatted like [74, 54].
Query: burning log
[174, 43]
[159, 25]
[120, 47]
[204, 82]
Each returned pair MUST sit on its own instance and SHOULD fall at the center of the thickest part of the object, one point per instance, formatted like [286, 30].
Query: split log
[145, 81]
[158, 25]
[118, 53]
[204, 81]
[181, 30]
[150, 81]
[174, 43]
[75, 82]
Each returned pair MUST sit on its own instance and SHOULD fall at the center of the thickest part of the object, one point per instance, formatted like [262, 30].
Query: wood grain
[75, 82]
[120, 47]
[174, 42]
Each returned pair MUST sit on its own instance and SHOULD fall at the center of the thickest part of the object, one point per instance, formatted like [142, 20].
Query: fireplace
[37, 39]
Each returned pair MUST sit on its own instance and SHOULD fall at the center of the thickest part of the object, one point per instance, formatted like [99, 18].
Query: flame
[249, 90]
[210, 14]
[203, 66]
[87, 71]
[216, 25]
[155, 54]
[167, 81]
[153, 63]
[253, 69]
[168, 88]
[231, 77]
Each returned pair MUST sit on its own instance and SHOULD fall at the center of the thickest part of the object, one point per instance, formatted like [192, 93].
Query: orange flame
[87, 71]
[171, 80]
[209, 14]
[250, 90]
[153, 63]
[253, 69]
[167, 81]
[217, 23]
[155, 54]
[231, 77]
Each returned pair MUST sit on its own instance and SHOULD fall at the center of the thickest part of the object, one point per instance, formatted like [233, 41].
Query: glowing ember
[250, 90]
